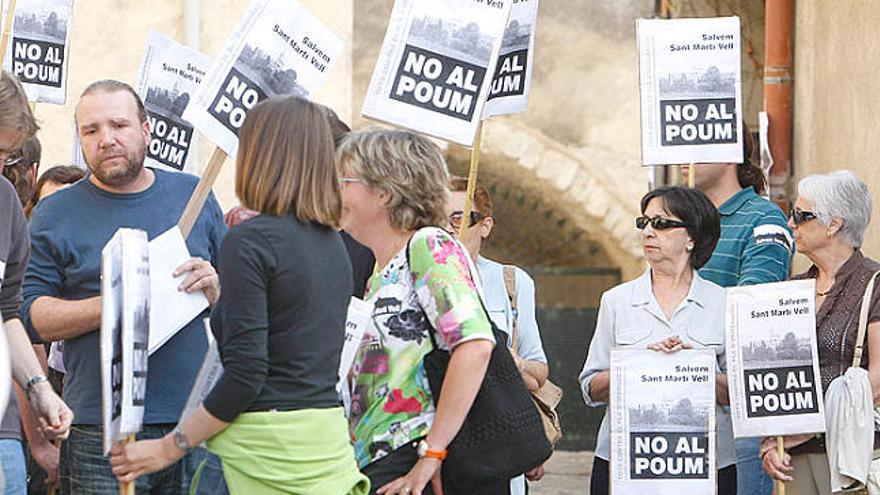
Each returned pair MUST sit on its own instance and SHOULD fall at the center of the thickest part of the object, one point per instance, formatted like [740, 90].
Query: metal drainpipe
[778, 93]
[192, 21]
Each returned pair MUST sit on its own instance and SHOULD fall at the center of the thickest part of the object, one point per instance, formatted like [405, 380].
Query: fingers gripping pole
[472, 183]
[127, 488]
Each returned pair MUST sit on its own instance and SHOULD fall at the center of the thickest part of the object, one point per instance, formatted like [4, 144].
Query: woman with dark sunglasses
[527, 349]
[669, 308]
[829, 220]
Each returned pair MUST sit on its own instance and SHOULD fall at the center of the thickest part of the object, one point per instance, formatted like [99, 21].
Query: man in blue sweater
[62, 288]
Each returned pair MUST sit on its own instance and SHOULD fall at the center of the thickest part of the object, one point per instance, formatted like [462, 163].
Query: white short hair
[839, 195]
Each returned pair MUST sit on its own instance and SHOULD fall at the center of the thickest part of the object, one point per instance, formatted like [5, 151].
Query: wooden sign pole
[692, 176]
[7, 27]
[472, 182]
[780, 450]
[127, 488]
[200, 194]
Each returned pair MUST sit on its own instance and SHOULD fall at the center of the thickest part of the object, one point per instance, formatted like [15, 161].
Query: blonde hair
[15, 113]
[286, 164]
[408, 167]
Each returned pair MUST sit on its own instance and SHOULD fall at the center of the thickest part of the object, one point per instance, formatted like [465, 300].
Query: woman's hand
[130, 461]
[778, 468]
[415, 480]
[670, 344]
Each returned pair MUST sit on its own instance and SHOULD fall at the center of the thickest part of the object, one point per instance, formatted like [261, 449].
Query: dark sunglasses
[801, 216]
[658, 223]
[456, 216]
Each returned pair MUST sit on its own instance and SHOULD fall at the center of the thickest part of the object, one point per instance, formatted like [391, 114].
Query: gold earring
[829, 234]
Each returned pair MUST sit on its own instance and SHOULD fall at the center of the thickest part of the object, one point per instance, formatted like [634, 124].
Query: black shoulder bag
[503, 434]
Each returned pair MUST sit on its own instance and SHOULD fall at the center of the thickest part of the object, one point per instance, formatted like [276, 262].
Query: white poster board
[278, 48]
[170, 73]
[39, 46]
[435, 69]
[513, 72]
[772, 360]
[125, 309]
[171, 308]
[662, 422]
[691, 90]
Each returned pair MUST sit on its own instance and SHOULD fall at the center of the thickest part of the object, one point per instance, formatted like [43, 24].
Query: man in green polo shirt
[755, 247]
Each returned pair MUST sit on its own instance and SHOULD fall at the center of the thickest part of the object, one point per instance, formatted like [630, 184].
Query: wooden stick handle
[692, 176]
[7, 27]
[200, 194]
[780, 450]
[472, 182]
[127, 488]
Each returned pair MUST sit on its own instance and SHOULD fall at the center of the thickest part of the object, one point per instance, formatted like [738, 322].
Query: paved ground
[566, 473]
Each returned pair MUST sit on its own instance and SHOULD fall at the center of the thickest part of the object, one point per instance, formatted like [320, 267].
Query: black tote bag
[503, 434]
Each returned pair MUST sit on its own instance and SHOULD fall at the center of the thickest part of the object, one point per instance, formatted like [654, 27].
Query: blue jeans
[85, 470]
[14, 469]
[750, 476]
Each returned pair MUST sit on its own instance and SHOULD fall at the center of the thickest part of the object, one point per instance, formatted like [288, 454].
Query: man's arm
[42, 450]
[58, 319]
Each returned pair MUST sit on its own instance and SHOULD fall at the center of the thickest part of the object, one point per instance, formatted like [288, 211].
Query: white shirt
[629, 315]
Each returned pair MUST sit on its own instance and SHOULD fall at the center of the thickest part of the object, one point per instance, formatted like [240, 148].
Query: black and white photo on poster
[663, 422]
[278, 48]
[169, 75]
[39, 48]
[691, 96]
[512, 77]
[434, 71]
[124, 334]
[773, 371]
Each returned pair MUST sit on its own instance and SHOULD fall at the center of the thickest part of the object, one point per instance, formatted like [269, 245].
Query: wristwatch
[180, 440]
[32, 384]
[424, 450]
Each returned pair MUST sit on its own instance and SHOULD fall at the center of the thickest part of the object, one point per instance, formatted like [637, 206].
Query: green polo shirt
[755, 246]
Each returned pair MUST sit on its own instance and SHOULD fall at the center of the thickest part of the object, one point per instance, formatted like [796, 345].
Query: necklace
[823, 294]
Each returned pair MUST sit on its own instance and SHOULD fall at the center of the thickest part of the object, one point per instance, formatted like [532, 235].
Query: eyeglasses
[11, 158]
[658, 223]
[801, 216]
[348, 180]
[456, 216]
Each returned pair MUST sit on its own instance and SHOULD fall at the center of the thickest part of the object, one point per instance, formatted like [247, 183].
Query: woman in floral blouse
[394, 191]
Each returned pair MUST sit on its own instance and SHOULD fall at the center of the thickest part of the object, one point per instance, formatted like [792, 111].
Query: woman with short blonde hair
[394, 193]
[274, 417]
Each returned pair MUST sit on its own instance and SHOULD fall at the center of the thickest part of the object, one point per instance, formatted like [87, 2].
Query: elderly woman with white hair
[828, 221]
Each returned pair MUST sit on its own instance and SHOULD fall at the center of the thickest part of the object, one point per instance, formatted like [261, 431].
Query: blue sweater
[68, 231]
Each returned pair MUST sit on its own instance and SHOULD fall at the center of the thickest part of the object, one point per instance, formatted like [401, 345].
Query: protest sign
[513, 71]
[40, 44]
[773, 365]
[691, 90]
[662, 422]
[359, 316]
[125, 310]
[209, 374]
[170, 73]
[170, 308]
[434, 72]
[278, 48]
